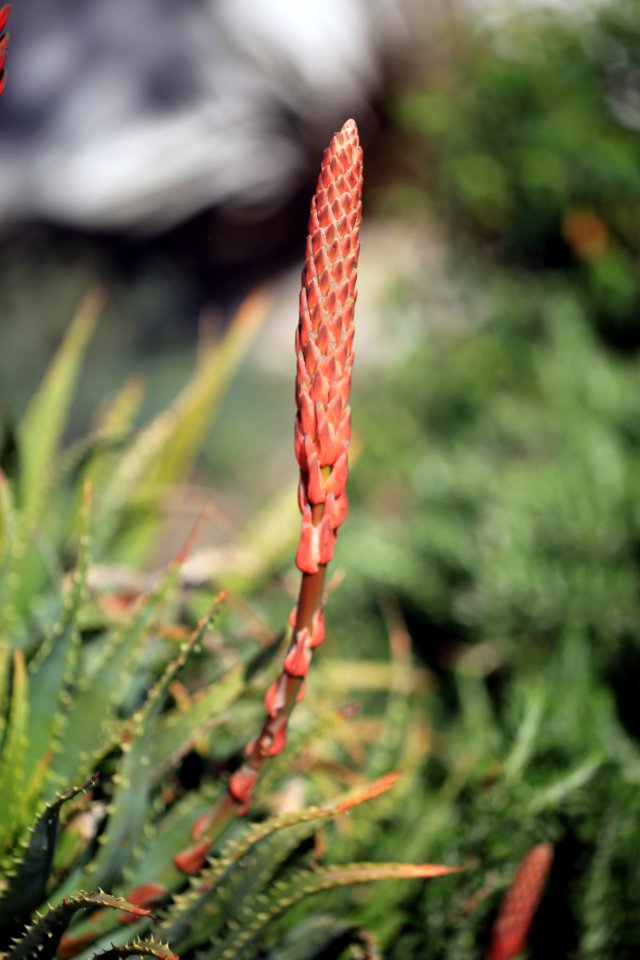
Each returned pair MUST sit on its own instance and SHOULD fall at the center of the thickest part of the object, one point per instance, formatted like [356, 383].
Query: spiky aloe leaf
[116, 420]
[78, 457]
[92, 458]
[27, 877]
[5, 660]
[8, 444]
[119, 413]
[103, 681]
[41, 939]
[7, 515]
[552, 795]
[258, 915]
[129, 807]
[53, 672]
[71, 468]
[263, 544]
[218, 893]
[153, 878]
[172, 831]
[139, 948]
[318, 936]
[177, 730]
[42, 425]
[163, 453]
[14, 749]
[12, 541]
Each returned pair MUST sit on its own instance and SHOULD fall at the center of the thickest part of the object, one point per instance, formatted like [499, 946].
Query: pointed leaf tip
[187, 548]
[369, 792]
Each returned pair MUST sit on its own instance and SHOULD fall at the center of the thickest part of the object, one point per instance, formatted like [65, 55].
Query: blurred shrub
[497, 494]
[529, 137]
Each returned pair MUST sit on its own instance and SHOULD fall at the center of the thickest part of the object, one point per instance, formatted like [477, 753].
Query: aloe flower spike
[324, 354]
[4, 42]
[511, 929]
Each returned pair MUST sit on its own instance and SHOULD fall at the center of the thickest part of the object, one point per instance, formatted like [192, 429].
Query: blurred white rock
[136, 116]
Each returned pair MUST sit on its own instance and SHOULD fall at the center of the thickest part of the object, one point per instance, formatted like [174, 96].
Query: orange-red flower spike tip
[509, 935]
[324, 341]
[324, 358]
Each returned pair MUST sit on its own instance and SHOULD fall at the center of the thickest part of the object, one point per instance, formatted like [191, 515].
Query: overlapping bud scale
[324, 354]
[324, 347]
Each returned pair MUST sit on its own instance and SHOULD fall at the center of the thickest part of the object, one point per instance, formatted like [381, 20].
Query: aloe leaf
[7, 515]
[81, 455]
[196, 405]
[14, 748]
[526, 736]
[43, 423]
[118, 414]
[93, 457]
[8, 445]
[102, 683]
[171, 831]
[42, 938]
[5, 661]
[53, 673]
[318, 936]
[179, 729]
[28, 874]
[11, 546]
[115, 421]
[215, 896]
[129, 807]
[258, 915]
[163, 453]
[139, 948]
[554, 794]
[265, 543]
[74, 465]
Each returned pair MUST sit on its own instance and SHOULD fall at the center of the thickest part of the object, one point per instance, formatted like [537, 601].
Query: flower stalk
[324, 355]
[4, 41]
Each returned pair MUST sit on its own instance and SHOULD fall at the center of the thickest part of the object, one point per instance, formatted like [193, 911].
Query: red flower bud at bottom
[318, 629]
[316, 543]
[275, 696]
[193, 859]
[242, 783]
[274, 739]
[298, 658]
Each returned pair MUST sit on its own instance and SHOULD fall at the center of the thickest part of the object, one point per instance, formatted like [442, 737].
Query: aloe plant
[94, 721]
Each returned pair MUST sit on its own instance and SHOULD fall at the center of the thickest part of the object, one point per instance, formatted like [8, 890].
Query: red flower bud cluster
[4, 41]
[324, 349]
[509, 935]
[324, 346]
